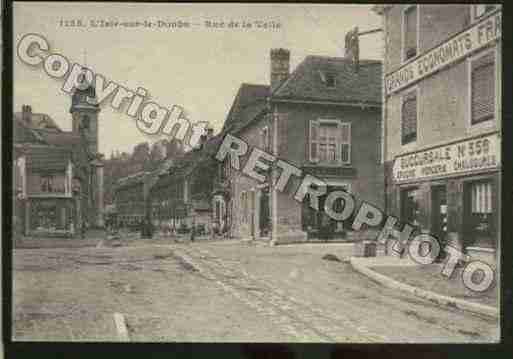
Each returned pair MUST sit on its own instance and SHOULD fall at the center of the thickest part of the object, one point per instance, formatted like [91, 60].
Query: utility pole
[352, 44]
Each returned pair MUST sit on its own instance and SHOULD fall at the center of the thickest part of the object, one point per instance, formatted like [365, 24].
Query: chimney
[280, 66]
[26, 114]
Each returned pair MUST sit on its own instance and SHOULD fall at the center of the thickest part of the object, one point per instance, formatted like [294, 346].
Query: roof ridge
[341, 58]
[252, 84]
[293, 75]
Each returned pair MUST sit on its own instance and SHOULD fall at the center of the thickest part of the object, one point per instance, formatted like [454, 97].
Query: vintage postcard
[292, 173]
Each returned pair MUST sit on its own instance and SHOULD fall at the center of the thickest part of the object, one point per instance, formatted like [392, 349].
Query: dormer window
[329, 79]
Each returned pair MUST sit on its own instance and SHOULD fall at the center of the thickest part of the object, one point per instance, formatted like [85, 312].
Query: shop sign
[478, 36]
[476, 154]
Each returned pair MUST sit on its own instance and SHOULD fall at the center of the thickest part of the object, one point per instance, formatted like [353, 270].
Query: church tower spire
[84, 111]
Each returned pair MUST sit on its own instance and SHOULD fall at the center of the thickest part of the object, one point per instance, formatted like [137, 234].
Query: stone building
[241, 205]
[442, 120]
[58, 175]
[180, 197]
[130, 199]
[324, 118]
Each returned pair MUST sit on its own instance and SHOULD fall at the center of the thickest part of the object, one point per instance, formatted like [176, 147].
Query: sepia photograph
[255, 173]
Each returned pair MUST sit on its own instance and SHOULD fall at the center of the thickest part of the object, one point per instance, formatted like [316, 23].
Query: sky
[197, 68]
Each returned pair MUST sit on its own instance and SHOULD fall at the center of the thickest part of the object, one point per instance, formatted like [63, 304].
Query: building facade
[442, 121]
[241, 203]
[58, 175]
[181, 196]
[130, 199]
[324, 118]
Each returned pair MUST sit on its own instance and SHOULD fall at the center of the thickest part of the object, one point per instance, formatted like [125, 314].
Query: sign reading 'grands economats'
[478, 36]
[477, 154]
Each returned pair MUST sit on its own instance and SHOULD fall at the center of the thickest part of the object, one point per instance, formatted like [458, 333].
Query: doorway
[264, 220]
[439, 211]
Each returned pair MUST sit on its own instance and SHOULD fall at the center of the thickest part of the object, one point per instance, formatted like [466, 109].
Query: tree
[174, 148]
[141, 152]
[156, 155]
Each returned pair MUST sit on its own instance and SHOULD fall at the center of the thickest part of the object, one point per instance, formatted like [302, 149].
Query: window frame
[403, 37]
[321, 122]
[350, 142]
[403, 96]
[403, 192]
[494, 215]
[491, 123]
[338, 148]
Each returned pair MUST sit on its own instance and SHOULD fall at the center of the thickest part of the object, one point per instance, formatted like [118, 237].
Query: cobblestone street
[222, 292]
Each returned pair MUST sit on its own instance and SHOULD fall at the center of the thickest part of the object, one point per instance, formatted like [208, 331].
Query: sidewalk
[426, 281]
[92, 238]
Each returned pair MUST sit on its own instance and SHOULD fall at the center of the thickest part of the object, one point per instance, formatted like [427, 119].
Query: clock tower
[84, 111]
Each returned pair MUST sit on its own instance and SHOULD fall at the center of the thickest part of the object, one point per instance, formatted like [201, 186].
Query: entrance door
[439, 211]
[264, 212]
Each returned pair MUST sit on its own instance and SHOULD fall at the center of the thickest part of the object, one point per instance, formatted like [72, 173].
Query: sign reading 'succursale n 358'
[457, 47]
[480, 153]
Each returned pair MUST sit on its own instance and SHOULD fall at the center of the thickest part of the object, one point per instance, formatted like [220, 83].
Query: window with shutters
[330, 142]
[409, 118]
[345, 142]
[327, 142]
[410, 35]
[482, 77]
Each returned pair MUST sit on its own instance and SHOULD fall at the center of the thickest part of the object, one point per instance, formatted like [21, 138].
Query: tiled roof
[24, 134]
[37, 132]
[38, 121]
[248, 115]
[130, 180]
[306, 82]
[186, 163]
[247, 95]
[66, 139]
[46, 158]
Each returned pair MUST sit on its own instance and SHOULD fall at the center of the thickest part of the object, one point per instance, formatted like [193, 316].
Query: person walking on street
[83, 229]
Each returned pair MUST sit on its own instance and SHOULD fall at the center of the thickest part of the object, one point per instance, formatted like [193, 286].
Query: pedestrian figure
[83, 229]
[193, 230]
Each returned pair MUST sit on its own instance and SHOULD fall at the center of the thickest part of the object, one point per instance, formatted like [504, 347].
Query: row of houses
[417, 135]
[323, 117]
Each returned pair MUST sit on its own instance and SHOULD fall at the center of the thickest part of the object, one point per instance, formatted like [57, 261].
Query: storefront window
[479, 221]
[318, 222]
[49, 216]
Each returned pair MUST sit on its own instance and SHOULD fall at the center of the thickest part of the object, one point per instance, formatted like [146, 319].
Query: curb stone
[425, 294]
